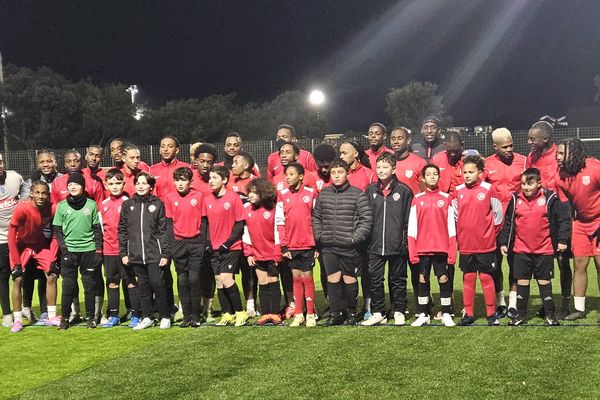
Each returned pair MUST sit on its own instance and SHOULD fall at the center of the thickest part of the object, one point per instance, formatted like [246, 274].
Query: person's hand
[54, 269]
[504, 250]
[163, 261]
[125, 260]
[287, 254]
[561, 247]
[251, 261]
[17, 271]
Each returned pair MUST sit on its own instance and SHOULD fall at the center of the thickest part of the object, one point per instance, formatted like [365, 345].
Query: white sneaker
[399, 318]
[447, 320]
[375, 319]
[311, 320]
[423, 319]
[251, 313]
[7, 321]
[165, 323]
[298, 320]
[28, 314]
[103, 320]
[145, 323]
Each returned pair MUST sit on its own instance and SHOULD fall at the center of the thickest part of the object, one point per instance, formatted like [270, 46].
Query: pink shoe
[54, 321]
[17, 327]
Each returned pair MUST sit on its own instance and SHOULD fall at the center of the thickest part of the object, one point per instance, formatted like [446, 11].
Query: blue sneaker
[134, 322]
[112, 321]
[42, 320]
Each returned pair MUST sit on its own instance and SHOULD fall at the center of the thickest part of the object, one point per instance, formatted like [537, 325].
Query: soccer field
[533, 361]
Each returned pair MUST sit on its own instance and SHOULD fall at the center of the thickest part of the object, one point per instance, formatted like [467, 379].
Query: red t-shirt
[361, 177]
[294, 213]
[373, 155]
[408, 171]
[505, 178]
[261, 239]
[532, 225]
[238, 185]
[223, 212]
[547, 165]
[163, 173]
[28, 229]
[274, 166]
[450, 175]
[110, 214]
[583, 191]
[186, 213]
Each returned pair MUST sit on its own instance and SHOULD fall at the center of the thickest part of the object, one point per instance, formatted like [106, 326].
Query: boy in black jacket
[534, 227]
[143, 246]
[390, 201]
[342, 220]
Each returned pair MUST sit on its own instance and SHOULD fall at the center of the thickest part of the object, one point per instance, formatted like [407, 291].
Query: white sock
[579, 303]
[292, 304]
[51, 311]
[26, 311]
[500, 298]
[18, 316]
[512, 299]
[75, 307]
[250, 305]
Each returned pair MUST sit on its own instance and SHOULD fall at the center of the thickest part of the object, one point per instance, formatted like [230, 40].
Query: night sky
[497, 62]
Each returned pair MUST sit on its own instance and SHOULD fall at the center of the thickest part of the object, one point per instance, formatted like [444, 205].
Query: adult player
[408, 165]
[93, 159]
[46, 171]
[430, 143]
[450, 162]
[377, 135]
[163, 170]
[234, 146]
[93, 187]
[287, 133]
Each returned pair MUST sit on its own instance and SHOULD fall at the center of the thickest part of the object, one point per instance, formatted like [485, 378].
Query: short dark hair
[294, 146]
[149, 178]
[544, 126]
[532, 174]
[339, 163]
[288, 127]
[379, 124]
[265, 190]
[234, 134]
[183, 172]
[299, 168]
[389, 158]
[426, 167]
[205, 148]
[475, 159]
[249, 159]
[403, 129]
[173, 138]
[325, 152]
[40, 182]
[453, 136]
[129, 146]
[221, 170]
[114, 173]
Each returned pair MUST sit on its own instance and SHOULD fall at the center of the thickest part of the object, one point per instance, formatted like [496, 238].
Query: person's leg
[231, 263]
[376, 270]
[331, 265]
[156, 276]
[128, 279]
[89, 263]
[4, 280]
[397, 277]
[498, 276]
[99, 293]
[113, 278]
[41, 289]
[194, 263]
[264, 292]
[287, 282]
[580, 282]
[566, 280]
[68, 271]
[298, 286]
[248, 284]
[51, 294]
[144, 289]
[168, 285]
[351, 269]
[523, 289]
[365, 281]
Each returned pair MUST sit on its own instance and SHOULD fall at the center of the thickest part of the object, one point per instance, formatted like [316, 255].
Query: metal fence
[24, 161]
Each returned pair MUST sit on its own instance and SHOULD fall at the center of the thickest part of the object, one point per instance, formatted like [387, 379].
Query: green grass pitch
[480, 362]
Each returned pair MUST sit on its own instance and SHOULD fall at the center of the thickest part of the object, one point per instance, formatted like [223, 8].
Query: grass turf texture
[281, 362]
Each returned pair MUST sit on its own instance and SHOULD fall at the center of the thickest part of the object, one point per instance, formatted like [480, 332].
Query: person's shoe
[438, 316]
[493, 320]
[126, 317]
[111, 322]
[375, 319]
[447, 320]
[575, 315]
[75, 319]
[399, 319]
[54, 321]
[511, 313]
[98, 319]
[208, 318]
[143, 324]
[264, 319]
[551, 321]
[134, 321]
[185, 323]
[165, 323]
[289, 312]
[564, 310]
[298, 320]
[501, 312]
[90, 323]
[64, 324]
[226, 319]
[335, 318]
[178, 315]
[541, 313]
[466, 320]
[311, 320]
[367, 314]
[42, 320]
[276, 319]
[195, 322]
[17, 327]
[7, 321]
[422, 319]
[29, 315]
[241, 318]
[251, 313]
[517, 321]
[351, 320]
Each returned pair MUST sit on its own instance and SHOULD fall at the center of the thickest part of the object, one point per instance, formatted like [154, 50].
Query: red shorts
[582, 242]
[43, 258]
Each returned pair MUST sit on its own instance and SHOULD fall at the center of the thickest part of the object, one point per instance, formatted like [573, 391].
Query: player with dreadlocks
[579, 183]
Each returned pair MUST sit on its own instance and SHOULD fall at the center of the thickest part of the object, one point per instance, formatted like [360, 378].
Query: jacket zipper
[335, 218]
[142, 234]
[383, 233]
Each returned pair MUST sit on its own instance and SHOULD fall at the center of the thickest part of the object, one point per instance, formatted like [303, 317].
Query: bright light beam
[316, 97]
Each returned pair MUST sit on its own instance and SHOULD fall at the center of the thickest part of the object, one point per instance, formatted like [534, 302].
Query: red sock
[489, 292]
[298, 295]
[469, 279]
[309, 293]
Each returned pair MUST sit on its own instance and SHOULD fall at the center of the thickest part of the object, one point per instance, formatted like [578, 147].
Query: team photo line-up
[413, 206]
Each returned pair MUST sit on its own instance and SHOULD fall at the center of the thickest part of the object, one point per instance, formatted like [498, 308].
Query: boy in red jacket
[432, 242]
[478, 221]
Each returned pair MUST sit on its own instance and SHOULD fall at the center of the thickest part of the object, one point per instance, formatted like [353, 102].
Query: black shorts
[483, 262]
[226, 263]
[349, 266]
[438, 261]
[304, 260]
[115, 271]
[538, 265]
[267, 266]
[187, 254]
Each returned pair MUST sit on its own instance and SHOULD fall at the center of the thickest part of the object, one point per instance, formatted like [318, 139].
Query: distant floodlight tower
[316, 98]
[133, 90]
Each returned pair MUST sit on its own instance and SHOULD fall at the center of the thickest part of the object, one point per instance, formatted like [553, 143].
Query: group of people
[411, 206]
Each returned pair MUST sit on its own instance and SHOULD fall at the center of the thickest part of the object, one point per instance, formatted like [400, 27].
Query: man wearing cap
[431, 144]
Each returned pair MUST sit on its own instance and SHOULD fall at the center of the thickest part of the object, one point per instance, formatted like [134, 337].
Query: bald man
[503, 170]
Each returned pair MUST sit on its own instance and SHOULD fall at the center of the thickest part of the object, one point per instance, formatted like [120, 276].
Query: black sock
[225, 305]
[335, 296]
[351, 296]
[547, 300]
[275, 298]
[113, 302]
[134, 301]
[233, 294]
[522, 299]
[265, 298]
[446, 296]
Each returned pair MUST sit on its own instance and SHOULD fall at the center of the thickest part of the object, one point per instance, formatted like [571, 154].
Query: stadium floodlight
[133, 90]
[316, 97]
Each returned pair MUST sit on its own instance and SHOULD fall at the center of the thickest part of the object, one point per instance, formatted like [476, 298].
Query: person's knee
[542, 282]
[523, 282]
[443, 279]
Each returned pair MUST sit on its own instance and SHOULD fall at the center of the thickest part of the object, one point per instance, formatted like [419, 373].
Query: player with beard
[287, 133]
[579, 183]
[377, 135]
[430, 143]
[408, 165]
[234, 146]
[324, 155]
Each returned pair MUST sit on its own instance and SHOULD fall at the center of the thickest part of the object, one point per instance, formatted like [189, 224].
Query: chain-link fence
[24, 161]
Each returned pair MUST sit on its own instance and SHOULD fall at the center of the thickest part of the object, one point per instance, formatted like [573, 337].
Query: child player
[528, 232]
[294, 211]
[184, 212]
[342, 221]
[30, 245]
[432, 242]
[478, 221]
[110, 214]
[79, 235]
[390, 201]
[225, 217]
[144, 248]
[262, 246]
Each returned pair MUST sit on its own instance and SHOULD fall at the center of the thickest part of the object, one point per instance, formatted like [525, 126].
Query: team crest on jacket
[235, 188]
[585, 180]
[267, 214]
[176, 203]
[408, 173]
[280, 186]
[541, 201]
[131, 208]
[151, 208]
[226, 205]
[480, 196]
[306, 199]
[440, 203]
[194, 202]
[396, 196]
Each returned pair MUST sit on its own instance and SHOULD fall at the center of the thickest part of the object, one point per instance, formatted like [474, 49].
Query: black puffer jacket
[390, 218]
[342, 218]
[143, 230]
